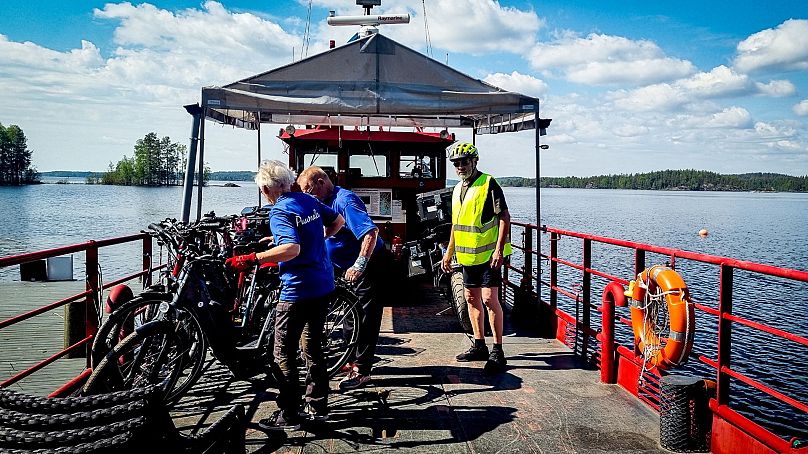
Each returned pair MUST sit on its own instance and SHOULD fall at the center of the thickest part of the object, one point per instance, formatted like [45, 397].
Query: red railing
[83, 306]
[721, 363]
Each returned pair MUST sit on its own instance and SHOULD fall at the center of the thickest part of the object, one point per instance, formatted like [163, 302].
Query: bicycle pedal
[250, 346]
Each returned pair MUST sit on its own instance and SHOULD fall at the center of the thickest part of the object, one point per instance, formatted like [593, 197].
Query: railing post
[724, 334]
[639, 262]
[147, 260]
[526, 284]
[586, 297]
[81, 319]
[612, 296]
[552, 318]
[527, 244]
[525, 309]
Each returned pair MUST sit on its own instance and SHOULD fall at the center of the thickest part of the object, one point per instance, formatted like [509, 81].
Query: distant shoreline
[666, 180]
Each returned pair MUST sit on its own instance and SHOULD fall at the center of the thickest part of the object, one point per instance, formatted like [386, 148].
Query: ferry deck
[421, 400]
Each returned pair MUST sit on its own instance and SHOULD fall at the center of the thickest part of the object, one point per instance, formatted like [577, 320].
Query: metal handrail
[89, 321]
[724, 312]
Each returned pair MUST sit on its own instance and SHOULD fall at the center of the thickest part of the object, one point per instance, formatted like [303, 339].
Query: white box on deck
[60, 268]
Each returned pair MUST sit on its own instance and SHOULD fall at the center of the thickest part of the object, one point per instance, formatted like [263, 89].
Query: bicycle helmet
[462, 150]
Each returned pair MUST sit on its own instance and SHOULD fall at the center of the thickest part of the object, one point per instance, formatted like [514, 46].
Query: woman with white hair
[297, 221]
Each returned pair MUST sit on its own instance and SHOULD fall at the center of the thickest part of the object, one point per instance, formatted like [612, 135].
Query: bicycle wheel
[341, 329]
[457, 299]
[122, 322]
[171, 355]
[148, 356]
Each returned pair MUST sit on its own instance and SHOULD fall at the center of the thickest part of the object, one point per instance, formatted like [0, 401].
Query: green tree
[147, 160]
[156, 162]
[15, 157]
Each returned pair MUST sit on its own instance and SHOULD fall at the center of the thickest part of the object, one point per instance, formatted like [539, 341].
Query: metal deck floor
[422, 400]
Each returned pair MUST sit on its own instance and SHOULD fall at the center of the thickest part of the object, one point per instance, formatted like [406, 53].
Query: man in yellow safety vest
[480, 240]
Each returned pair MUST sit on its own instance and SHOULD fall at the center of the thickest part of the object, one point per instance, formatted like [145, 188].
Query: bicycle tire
[122, 321]
[341, 329]
[142, 356]
[457, 299]
[188, 327]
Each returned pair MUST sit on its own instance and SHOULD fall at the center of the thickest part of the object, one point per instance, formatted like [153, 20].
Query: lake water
[761, 227]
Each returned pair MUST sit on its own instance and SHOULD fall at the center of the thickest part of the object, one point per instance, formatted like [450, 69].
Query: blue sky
[632, 86]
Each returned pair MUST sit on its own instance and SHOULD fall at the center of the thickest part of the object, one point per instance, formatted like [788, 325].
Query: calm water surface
[761, 227]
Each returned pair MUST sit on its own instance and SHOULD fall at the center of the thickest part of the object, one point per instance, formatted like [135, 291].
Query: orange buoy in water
[703, 232]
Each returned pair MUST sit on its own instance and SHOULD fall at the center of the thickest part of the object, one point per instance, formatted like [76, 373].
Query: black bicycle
[162, 336]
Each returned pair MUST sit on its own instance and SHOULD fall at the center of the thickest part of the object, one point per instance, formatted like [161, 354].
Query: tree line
[156, 162]
[15, 158]
[672, 180]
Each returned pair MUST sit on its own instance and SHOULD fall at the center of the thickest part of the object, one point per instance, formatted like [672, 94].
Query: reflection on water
[760, 227]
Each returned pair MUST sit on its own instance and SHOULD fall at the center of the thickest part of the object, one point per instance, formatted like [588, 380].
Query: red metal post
[586, 296]
[77, 313]
[552, 320]
[612, 295]
[147, 260]
[526, 285]
[724, 334]
[90, 303]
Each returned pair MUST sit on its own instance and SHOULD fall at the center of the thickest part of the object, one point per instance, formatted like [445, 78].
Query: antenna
[368, 22]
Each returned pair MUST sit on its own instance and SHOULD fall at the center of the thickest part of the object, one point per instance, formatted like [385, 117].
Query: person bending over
[297, 222]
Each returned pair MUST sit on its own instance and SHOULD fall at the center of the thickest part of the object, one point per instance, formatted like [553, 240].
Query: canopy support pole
[258, 128]
[537, 130]
[188, 182]
[201, 176]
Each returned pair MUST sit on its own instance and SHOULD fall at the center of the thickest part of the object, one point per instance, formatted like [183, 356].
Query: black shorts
[482, 275]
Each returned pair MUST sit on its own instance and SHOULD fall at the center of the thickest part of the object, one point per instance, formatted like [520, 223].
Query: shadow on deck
[420, 399]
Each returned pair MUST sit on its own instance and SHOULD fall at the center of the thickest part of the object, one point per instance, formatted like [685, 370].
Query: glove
[242, 262]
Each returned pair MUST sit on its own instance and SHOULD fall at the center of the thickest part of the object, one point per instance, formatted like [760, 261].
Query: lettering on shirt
[302, 221]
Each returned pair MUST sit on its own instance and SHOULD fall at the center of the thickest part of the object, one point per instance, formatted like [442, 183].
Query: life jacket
[474, 241]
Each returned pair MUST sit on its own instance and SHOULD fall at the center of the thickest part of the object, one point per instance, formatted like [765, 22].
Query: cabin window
[367, 165]
[417, 166]
[318, 159]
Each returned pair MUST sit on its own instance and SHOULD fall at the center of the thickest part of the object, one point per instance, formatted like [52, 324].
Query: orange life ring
[653, 283]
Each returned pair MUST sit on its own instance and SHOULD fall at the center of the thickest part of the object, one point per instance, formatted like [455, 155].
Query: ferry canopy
[373, 81]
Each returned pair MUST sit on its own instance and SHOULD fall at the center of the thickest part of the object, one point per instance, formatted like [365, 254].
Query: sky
[631, 86]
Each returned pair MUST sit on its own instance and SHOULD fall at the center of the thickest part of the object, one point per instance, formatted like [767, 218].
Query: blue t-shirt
[344, 247]
[298, 218]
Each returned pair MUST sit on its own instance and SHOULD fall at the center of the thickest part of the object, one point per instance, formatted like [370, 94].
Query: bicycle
[170, 328]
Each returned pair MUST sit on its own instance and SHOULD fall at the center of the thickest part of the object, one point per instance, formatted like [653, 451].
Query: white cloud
[631, 130]
[604, 59]
[731, 117]
[776, 88]
[79, 100]
[720, 82]
[773, 131]
[520, 83]
[784, 48]
[469, 26]
[801, 108]
[194, 46]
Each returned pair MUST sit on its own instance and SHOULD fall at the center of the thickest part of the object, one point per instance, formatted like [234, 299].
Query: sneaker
[474, 353]
[313, 415]
[353, 380]
[278, 422]
[496, 362]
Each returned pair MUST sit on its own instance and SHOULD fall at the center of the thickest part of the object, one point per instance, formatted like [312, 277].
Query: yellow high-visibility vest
[474, 241]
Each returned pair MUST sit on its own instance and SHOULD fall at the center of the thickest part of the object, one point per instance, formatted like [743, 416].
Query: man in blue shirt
[298, 223]
[359, 253]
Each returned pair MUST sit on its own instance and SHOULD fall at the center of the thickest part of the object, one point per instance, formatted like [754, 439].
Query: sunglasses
[462, 162]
